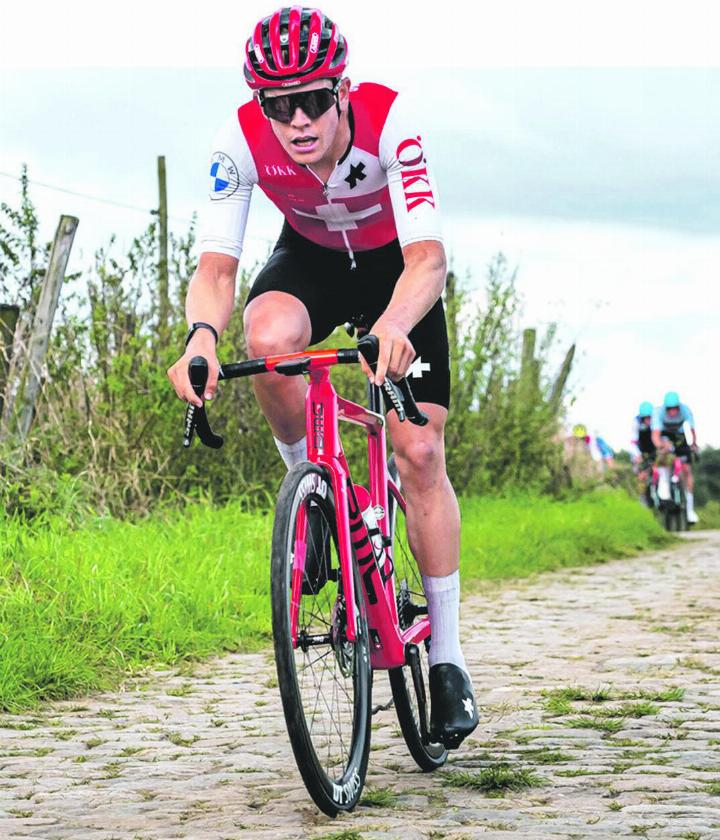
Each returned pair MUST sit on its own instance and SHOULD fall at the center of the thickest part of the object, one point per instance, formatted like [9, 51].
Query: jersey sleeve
[413, 191]
[688, 416]
[635, 438]
[232, 175]
[656, 424]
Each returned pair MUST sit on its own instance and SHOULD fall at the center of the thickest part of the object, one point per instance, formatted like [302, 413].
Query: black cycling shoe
[453, 713]
[317, 559]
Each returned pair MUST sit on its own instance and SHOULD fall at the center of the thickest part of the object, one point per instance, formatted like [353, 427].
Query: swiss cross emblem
[337, 216]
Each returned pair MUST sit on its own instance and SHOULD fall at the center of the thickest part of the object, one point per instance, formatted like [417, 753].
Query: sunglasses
[313, 103]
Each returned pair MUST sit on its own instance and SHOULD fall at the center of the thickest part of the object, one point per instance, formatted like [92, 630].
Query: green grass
[508, 538]
[544, 755]
[378, 798]
[494, 781]
[709, 517]
[80, 608]
[604, 724]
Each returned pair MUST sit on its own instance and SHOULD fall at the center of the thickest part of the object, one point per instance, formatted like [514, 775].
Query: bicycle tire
[408, 584]
[330, 738]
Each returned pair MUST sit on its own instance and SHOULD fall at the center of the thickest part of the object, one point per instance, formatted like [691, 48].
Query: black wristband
[200, 325]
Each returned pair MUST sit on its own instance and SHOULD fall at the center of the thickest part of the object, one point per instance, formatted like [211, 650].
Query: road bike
[347, 596]
[670, 502]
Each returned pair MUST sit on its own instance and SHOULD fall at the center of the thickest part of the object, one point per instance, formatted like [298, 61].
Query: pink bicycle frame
[324, 409]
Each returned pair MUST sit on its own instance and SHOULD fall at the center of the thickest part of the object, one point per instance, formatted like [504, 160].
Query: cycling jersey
[665, 423]
[641, 438]
[381, 189]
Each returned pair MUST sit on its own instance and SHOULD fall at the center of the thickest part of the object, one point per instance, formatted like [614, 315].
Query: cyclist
[361, 241]
[642, 448]
[668, 424]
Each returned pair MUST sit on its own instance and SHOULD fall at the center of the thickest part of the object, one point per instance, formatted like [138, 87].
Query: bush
[108, 423]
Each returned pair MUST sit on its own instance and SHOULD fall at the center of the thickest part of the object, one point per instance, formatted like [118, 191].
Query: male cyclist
[668, 432]
[642, 448]
[361, 241]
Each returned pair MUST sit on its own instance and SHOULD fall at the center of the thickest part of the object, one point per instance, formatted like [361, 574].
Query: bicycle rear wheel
[410, 688]
[325, 681]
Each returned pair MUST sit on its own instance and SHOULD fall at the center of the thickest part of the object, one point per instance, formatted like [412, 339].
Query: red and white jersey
[382, 188]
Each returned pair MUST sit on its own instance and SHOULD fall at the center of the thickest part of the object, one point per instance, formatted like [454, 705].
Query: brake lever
[196, 418]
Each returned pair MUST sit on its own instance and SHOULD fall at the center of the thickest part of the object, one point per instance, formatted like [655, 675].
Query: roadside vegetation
[80, 608]
[120, 550]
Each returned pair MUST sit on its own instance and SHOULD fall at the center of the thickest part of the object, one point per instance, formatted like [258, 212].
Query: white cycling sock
[292, 453]
[690, 501]
[443, 597]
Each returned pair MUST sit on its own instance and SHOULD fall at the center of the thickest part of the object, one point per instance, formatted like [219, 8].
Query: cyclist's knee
[280, 325]
[420, 457]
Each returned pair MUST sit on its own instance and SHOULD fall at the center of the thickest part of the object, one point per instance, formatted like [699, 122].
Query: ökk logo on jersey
[415, 178]
[273, 169]
[223, 176]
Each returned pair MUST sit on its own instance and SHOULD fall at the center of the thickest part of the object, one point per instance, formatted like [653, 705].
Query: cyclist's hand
[201, 344]
[396, 351]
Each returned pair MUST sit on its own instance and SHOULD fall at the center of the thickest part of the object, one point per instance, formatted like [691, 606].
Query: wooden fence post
[561, 380]
[44, 315]
[163, 274]
[529, 365]
[8, 321]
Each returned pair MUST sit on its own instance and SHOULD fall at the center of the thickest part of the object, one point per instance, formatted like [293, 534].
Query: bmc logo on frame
[415, 178]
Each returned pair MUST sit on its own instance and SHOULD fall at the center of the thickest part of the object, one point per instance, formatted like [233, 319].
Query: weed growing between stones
[494, 781]
[378, 798]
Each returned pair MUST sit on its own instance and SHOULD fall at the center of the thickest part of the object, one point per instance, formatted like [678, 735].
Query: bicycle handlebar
[397, 394]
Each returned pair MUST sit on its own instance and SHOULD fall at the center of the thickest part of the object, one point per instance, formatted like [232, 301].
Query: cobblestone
[205, 755]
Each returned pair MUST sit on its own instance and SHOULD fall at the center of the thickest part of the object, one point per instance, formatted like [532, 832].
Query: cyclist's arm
[232, 174]
[656, 425]
[635, 441]
[209, 299]
[690, 420]
[414, 198]
[418, 288]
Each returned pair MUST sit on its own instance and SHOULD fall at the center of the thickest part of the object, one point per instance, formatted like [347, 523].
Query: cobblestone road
[599, 689]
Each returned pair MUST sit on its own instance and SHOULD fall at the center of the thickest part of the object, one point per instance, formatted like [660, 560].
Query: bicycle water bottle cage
[294, 367]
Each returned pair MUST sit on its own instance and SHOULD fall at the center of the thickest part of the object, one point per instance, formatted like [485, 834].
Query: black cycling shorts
[334, 293]
[680, 444]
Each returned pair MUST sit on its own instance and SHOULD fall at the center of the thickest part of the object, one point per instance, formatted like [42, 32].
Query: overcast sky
[598, 176]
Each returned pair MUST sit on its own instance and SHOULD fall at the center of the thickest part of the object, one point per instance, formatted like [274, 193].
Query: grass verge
[80, 608]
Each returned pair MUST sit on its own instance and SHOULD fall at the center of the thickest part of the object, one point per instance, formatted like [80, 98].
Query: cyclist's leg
[433, 523]
[682, 448]
[433, 516]
[277, 322]
[287, 309]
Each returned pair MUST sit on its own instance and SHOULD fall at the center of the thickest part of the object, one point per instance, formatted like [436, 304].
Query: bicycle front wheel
[324, 679]
[410, 686]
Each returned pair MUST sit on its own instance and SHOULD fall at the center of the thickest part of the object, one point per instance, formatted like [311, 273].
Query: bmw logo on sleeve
[223, 176]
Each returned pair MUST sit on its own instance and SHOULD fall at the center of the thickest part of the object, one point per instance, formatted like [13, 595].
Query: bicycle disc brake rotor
[344, 650]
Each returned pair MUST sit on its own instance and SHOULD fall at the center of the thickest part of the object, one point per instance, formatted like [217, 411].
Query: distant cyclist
[668, 432]
[347, 168]
[642, 448]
